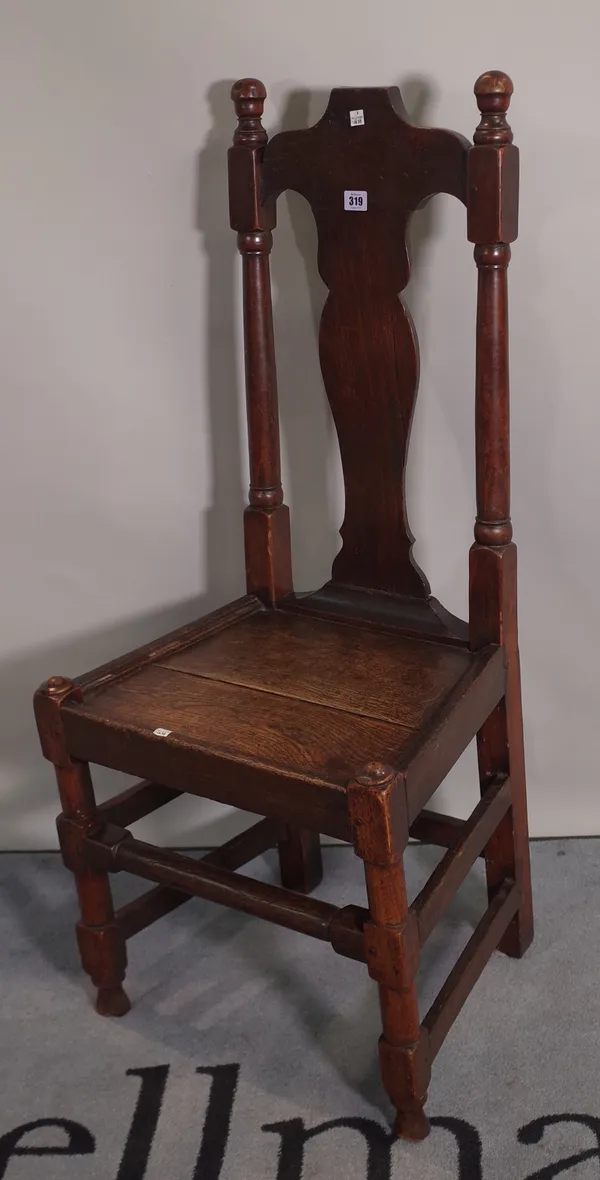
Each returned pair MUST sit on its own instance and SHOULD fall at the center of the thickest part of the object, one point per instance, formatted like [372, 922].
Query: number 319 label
[355, 201]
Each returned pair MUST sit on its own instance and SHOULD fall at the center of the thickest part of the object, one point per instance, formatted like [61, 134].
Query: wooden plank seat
[341, 711]
[300, 704]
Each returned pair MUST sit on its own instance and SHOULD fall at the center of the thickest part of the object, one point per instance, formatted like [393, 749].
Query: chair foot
[412, 1125]
[112, 1001]
[519, 935]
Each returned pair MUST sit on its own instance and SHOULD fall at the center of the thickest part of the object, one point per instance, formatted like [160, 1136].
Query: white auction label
[355, 201]
[357, 118]
[162, 732]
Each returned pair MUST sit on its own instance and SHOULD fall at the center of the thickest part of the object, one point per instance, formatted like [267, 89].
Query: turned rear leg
[500, 751]
[300, 860]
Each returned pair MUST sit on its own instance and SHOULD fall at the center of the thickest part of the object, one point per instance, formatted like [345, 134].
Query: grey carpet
[246, 1041]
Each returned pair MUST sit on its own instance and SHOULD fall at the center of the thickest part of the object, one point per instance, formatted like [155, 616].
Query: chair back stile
[364, 169]
[266, 519]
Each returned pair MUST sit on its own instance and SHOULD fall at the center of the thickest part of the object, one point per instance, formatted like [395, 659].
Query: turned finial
[248, 97]
[493, 91]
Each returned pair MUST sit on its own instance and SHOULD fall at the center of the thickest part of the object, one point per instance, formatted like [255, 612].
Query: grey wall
[122, 443]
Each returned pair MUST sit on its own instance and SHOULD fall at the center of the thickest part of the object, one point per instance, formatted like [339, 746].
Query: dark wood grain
[266, 520]
[419, 618]
[340, 711]
[436, 895]
[377, 802]
[491, 397]
[500, 745]
[274, 752]
[492, 224]
[213, 883]
[177, 640]
[136, 915]
[300, 860]
[148, 908]
[368, 348]
[136, 802]
[267, 538]
[386, 677]
[493, 165]
[464, 975]
[101, 943]
[285, 734]
[431, 753]
[430, 827]
[293, 798]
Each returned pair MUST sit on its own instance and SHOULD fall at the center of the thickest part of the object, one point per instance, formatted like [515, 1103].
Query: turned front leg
[101, 942]
[377, 803]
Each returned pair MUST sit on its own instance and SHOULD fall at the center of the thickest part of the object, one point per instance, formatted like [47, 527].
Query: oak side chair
[339, 711]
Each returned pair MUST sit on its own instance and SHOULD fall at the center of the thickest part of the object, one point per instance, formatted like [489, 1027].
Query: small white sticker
[355, 201]
[162, 732]
[357, 118]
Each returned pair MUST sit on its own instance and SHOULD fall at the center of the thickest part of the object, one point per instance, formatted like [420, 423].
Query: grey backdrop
[122, 446]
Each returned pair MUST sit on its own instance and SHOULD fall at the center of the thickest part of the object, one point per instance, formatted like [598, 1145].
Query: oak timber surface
[246, 725]
[354, 669]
